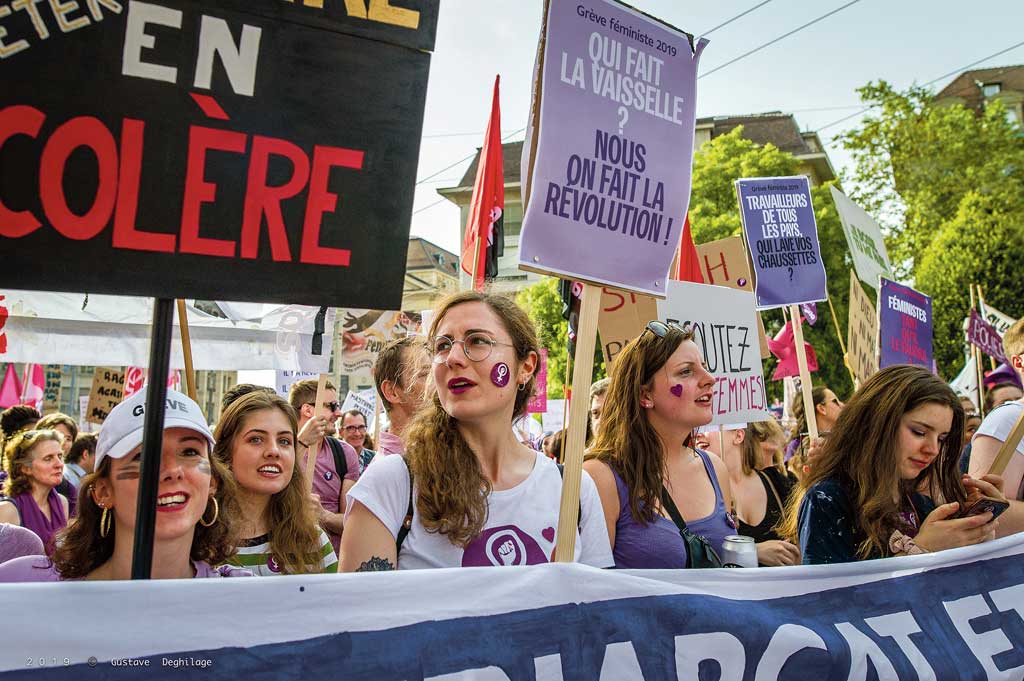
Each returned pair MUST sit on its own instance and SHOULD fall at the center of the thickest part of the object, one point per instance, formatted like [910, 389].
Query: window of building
[991, 89]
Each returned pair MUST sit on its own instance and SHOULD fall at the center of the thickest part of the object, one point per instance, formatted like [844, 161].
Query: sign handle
[842, 345]
[976, 354]
[805, 374]
[566, 392]
[152, 437]
[314, 447]
[1008, 448]
[582, 377]
[186, 350]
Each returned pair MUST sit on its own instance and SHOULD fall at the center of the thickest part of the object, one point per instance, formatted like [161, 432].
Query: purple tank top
[33, 519]
[657, 545]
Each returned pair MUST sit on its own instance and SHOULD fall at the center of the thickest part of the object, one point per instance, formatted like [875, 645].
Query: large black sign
[258, 150]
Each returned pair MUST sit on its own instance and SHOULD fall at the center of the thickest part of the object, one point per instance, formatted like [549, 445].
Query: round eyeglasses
[476, 346]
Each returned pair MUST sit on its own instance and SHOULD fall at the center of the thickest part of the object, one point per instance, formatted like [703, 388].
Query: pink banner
[539, 401]
[985, 336]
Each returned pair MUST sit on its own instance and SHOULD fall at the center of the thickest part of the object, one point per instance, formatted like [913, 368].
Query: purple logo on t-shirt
[272, 564]
[506, 545]
[328, 475]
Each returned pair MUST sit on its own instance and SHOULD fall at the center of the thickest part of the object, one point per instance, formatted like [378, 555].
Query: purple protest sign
[539, 402]
[782, 238]
[986, 337]
[904, 326]
[810, 312]
[610, 182]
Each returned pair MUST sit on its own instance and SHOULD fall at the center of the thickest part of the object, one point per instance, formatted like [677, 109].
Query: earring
[522, 386]
[216, 514]
[105, 522]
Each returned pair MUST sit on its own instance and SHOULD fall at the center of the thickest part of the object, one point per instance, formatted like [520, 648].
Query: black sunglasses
[660, 329]
[333, 406]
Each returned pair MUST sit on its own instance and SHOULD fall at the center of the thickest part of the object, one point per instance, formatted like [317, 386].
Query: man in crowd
[337, 466]
[401, 374]
[994, 430]
[80, 459]
[353, 431]
[598, 390]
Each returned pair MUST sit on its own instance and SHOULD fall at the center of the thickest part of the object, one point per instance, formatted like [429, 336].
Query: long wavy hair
[294, 532]
[452, 488]
[862, 453]
[81, 549]
[626, 440]
[18, 455]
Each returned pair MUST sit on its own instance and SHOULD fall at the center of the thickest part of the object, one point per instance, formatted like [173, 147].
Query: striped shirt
[254, 554]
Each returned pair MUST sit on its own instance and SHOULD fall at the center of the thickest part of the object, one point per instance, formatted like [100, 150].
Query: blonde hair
[18, 455]
[758, 433]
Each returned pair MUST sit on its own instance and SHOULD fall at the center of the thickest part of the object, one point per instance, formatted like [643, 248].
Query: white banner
[725, 323]
[949, 615]
[864, 237]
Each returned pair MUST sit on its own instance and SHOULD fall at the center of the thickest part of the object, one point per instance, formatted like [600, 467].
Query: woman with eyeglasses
[35, 467]
[656, 489]
[467, 492]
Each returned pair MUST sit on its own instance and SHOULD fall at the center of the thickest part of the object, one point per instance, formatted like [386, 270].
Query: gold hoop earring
[105, 522]
[216, 514]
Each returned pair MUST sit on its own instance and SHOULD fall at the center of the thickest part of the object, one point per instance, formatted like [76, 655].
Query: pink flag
[34, 387]
[10, 390]
[783, 346]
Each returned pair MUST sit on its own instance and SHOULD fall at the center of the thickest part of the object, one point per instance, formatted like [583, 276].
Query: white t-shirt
[998, 424]
[521, 522]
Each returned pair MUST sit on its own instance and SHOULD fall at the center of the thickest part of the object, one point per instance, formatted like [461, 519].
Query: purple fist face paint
[500, 374]
[677, 390]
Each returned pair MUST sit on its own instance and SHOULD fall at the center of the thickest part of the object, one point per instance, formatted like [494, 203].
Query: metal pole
[152, 436]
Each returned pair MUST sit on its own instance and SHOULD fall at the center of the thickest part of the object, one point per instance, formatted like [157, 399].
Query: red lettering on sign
[262, 199]
[18, 120]
[321, 201]
[126, 235]
[198, 191]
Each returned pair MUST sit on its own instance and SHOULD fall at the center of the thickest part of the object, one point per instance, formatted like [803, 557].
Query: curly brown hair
[294, 533]
[452, 488]
[81, 549]
[18, 455]
[862, 453]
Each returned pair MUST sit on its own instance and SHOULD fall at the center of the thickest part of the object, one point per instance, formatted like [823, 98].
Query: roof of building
[511, 157]
[426, 255]
[966, 86]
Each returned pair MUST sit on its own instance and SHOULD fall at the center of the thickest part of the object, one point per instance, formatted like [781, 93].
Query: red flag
[488, 205]
[783, 346]
[688, 268]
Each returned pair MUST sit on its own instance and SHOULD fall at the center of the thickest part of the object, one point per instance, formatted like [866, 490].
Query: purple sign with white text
[986, 337]
[904, 326]
[611, 177]
[782, 238]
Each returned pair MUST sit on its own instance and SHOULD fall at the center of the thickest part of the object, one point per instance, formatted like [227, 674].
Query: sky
[813, 73]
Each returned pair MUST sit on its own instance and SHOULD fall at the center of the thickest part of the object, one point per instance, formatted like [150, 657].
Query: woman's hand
[990, 486]
[814, 448]
[777, 553]
[940, 532]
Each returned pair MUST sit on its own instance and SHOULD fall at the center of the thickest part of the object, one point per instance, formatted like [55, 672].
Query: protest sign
[200, 148]
[284, 380]
[946, 615]
[985, 337]
[782, 238]
[725, 328]
[365, 332]
[725, 263]
[51, 388]
[904, 326]
[539, 402]
[997, 319]
[366, 402]
[864, 237]
[106, 393]
[862, 332]
[553, 419]
[609, 175]
[622, 318]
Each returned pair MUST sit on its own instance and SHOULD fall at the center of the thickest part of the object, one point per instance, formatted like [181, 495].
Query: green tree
[983, 242]
[714, 214]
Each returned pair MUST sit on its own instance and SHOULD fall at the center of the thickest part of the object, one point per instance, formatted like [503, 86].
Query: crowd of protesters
[298, 487]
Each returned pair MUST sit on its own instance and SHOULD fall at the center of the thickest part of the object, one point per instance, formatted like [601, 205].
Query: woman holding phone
[860, 501]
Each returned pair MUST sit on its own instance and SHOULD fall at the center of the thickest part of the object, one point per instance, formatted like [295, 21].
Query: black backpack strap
[403, 531]
[673, 512]
[579, 511]
[340, 462]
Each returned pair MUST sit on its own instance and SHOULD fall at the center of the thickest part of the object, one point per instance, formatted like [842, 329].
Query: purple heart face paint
[677, 390]
[500, 374]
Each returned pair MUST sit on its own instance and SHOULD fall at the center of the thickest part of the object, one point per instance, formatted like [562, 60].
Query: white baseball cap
[122, 429]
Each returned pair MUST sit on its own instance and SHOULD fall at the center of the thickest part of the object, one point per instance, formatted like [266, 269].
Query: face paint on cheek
[677, 390]
[128, 474]
[500, 374]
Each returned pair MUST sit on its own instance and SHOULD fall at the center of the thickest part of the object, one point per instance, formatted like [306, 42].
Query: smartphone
[985, 504]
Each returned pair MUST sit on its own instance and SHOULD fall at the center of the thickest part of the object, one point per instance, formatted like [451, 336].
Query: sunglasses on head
[661, 329]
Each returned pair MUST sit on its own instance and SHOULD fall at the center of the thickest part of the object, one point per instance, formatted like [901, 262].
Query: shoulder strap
[670, 506]
[340, 462]
[403, 531]
[771, 485]
[579, 511]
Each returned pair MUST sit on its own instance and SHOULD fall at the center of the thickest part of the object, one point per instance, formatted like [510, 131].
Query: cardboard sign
[609, 184]
[724, 263]
[51, 388]
[725, 326]
[106, 393]
[539, 401]
[985, 336]
[862, 332]
[623, 317]
[365, 332]
[904, 325]
[864, 237]
[782, 237]
[251, 151]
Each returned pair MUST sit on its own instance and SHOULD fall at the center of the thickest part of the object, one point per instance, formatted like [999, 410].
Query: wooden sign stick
[186, 350]
[976, 354]
[805, 374]
[582, 376]
[1009, 447]
[842, 345]
[314, 447]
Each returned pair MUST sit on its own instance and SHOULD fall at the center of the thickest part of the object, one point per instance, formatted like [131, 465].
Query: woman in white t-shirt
[477, 496]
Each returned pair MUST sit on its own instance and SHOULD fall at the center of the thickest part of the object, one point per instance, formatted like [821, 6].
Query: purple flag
[810, 311]
[905, 326]
[782, 239]
[985, 336]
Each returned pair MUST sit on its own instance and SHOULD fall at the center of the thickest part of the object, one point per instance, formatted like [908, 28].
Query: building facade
[974, 89]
